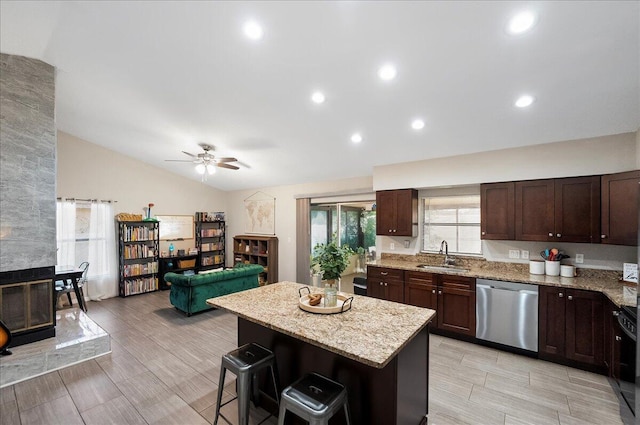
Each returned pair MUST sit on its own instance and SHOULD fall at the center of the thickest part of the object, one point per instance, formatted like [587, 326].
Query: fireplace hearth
[27, 304]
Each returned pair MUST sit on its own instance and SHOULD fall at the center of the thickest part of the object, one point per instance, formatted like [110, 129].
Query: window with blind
[455, 219]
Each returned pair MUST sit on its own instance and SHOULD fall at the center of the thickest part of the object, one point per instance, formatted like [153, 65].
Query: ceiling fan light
[211, 169]
[200, 168]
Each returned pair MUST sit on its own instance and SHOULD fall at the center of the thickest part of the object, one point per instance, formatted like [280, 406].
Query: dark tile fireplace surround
[27, 304]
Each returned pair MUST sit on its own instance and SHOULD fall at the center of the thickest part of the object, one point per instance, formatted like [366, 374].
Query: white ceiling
[150, 79]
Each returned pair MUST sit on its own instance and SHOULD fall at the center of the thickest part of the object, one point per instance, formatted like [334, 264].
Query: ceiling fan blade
[178, 160]
[226, 159]
[229, 166]
[190, 154]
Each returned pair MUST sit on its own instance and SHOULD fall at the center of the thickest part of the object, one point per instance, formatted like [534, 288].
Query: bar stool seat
[314, 398]
[245, 362]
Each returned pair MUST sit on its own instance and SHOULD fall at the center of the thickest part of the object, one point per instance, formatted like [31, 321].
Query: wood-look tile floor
[164, 369]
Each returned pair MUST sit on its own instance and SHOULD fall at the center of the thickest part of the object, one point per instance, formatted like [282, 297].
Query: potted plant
[332, 260]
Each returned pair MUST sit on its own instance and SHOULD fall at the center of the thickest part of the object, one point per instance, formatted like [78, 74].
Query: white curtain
[66, 234]
[102, 273]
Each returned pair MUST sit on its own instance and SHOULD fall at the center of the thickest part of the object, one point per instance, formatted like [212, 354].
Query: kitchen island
[378, 349]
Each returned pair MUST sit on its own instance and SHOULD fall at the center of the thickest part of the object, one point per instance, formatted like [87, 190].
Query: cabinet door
[457, 304]
[394, 290]
[534, 210]
[421, 289]
[551, 320]
[577, 209]
[497, 211]
[406, 212]
[385, 212]
[585, 327]
[619, 209]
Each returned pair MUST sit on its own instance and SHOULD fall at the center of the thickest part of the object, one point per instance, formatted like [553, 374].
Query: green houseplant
[331, 259]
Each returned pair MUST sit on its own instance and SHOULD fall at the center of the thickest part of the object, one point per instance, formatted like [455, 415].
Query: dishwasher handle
[494, 288]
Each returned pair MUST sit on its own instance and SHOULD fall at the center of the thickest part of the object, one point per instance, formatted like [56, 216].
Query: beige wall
[600, 155]
[88, 171]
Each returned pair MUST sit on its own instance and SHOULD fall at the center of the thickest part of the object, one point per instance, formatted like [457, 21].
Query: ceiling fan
[206, 162]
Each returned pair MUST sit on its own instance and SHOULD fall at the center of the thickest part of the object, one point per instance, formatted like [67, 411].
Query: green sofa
[190, 293]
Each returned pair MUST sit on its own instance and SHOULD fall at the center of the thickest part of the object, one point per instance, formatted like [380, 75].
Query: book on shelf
[209, 216]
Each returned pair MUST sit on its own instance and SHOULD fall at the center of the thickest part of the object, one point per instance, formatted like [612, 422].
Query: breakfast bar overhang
[378, 349]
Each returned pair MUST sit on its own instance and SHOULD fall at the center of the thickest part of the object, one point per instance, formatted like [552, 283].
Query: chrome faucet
[448, 261]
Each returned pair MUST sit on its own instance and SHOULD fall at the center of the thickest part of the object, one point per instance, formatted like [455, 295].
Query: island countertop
[372, 332]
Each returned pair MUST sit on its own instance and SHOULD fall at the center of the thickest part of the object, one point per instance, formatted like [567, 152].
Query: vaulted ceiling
[152, 79]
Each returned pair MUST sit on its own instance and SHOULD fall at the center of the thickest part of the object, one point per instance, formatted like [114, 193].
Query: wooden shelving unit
[210, 241]
[138, 243]
[261, 250]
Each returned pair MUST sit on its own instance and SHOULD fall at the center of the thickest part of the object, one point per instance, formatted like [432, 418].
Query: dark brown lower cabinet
[453, 298]
[386, 284]
[571, 326]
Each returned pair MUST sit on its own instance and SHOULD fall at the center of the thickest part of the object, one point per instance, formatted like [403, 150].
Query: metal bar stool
[245, 362]
[314, 398]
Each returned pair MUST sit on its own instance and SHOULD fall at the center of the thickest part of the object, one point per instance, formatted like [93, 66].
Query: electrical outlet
[579, 258]
[524, 254]
[514, 253]
[392, 246]
[407, 243]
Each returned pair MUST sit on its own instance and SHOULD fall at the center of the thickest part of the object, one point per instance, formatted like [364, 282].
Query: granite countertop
[604, 281]
[372, 332]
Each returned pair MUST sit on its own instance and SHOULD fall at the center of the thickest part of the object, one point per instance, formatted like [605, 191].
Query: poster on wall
[260, 214]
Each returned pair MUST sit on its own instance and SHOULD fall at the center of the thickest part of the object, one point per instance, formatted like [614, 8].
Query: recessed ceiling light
[524, 101]
[253, 30]
[417, 124]
[387, 72]
[317, 97]
[522, 22]
[356, 138]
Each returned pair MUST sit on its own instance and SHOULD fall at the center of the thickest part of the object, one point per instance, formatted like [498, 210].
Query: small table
[73, 274]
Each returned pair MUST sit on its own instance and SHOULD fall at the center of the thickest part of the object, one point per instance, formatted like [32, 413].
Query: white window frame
[457, 225]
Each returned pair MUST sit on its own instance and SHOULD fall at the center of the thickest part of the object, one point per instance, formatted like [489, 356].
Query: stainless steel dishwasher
[507, 313]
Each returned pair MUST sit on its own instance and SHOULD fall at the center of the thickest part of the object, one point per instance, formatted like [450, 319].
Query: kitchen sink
[445, 269]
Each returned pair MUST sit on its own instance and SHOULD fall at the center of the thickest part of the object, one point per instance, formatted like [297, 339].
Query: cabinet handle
[433, 291]
[395, 230]
[550, 234]
[384, 273]
[385, 284]
[439, 292]
[603, 236]
[618, 338]
[390, 230]
[616, 313]
[484, 233]
[380, 283]
[560, 295]
[569, 297]
[559, 235]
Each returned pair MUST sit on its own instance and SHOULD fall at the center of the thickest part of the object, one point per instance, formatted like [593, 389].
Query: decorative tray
[343, 304]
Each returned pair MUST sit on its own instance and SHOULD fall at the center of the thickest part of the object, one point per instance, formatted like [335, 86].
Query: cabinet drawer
[421, 278]
[458, 282]
[378, 273]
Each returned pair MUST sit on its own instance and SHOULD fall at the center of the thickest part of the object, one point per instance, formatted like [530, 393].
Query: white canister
[536, 267]
[567, 271]
[552, 268]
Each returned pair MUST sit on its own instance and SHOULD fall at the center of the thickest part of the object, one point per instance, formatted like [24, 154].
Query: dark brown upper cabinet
[620, 198]
[497, 211]
[562, 210]
[397, 212]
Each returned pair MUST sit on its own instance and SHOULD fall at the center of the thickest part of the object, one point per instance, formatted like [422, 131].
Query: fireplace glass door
[27, 305]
